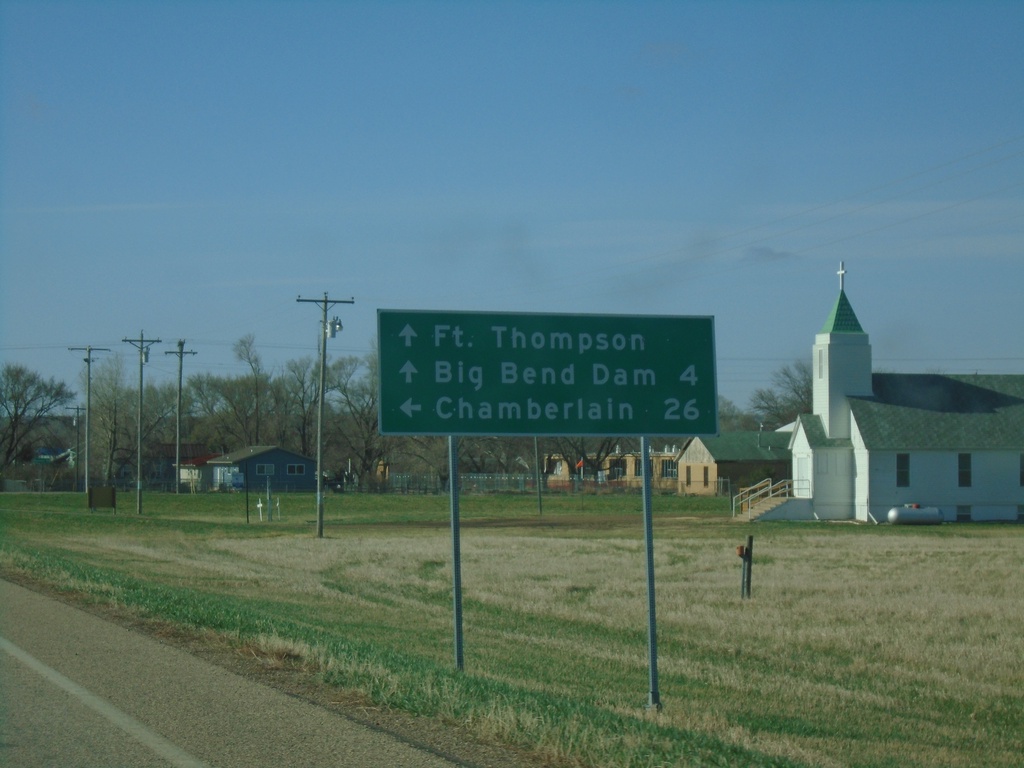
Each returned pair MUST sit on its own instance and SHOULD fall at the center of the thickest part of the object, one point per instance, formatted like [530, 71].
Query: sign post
[453, 489]
[487, 373]
[653, 696]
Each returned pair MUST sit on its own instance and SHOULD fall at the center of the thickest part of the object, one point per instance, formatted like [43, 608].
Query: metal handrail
[749, 497]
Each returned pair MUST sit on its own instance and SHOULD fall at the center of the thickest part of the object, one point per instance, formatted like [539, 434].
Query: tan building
[721, 465]
[618, 471]
[703, 466]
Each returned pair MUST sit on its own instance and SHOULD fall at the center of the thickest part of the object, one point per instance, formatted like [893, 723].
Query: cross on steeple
[842, 275]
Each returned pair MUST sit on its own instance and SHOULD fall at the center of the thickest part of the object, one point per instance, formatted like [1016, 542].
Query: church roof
[747, 446]
[814, 431]
[939, 412]
[842, 318]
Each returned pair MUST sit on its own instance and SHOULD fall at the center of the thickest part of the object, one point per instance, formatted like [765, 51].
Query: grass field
[862, 645]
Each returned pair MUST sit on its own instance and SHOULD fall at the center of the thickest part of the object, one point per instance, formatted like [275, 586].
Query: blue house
[259, 465]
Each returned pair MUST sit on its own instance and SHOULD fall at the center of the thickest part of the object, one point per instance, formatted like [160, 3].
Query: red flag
[579, 464]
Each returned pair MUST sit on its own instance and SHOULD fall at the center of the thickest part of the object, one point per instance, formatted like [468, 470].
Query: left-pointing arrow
[408, 369]
[409, 408]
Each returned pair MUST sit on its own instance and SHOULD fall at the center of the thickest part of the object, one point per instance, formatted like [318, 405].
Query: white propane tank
[912, 514]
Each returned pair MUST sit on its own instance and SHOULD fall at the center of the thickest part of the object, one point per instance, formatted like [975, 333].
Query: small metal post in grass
[747, 555]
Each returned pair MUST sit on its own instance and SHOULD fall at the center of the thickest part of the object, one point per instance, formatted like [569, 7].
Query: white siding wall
[862, 480]
[833, 483]
[995, 492]
[803, 463]
[841, 367]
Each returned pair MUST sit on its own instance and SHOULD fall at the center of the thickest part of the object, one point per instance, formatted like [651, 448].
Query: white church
[879, 441]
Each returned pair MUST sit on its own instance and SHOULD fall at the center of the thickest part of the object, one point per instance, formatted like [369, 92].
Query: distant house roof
[937, 412]
[188, 450]
[747, 446]
[252, 452]
[842, 318]
[199, 461]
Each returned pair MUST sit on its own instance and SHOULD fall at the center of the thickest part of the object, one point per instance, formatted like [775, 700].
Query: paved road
[79, 691]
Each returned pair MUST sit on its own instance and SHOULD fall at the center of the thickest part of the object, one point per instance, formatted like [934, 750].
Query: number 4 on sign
[690, 376]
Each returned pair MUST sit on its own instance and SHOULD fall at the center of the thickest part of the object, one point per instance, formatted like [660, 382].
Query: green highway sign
[488, 373]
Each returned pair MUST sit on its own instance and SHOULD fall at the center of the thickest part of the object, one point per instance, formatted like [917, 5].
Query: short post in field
[746, 554]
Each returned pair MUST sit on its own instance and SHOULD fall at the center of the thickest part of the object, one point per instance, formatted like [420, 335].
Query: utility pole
[78, 412]
[88, 401]
[142, 344]
[332, 330]
[180, 352]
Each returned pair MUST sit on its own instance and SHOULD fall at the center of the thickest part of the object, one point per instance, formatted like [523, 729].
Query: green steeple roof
[842, 318]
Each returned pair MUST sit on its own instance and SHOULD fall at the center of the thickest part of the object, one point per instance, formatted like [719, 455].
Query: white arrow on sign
[408, 334]
[408, 408]
[408, 369]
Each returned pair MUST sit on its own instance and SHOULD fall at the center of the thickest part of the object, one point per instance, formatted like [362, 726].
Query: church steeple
[841, 364]
[842, 318]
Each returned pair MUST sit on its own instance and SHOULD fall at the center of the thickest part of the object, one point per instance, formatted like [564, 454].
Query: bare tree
[115, 428]
[732, 419]
[791, 393]
[26, 400]
[591, 451]
[498, 454]
[111, 417]
[295, 404]
[225, 409]
[245, 352]
[424, 454]
[355, 382]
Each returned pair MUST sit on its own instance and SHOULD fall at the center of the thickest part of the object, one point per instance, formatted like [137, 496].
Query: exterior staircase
[752, 502]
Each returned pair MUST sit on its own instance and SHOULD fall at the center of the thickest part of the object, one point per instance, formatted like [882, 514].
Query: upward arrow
[408, 369]
[408, 334]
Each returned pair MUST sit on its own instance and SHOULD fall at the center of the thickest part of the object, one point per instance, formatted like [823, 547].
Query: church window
[902, 470]
[669, 469]
[821, 363]
[1022, 470]
[964, 470]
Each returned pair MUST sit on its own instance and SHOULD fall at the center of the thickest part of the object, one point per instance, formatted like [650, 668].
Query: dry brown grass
[873, 646]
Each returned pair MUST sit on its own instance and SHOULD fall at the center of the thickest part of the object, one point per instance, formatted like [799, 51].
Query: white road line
[161, 746]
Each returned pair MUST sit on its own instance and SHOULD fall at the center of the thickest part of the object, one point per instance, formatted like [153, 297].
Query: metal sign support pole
[453, 490]
[654, 698]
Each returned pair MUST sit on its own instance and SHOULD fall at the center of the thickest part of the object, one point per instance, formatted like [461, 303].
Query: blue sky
[187, 169]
